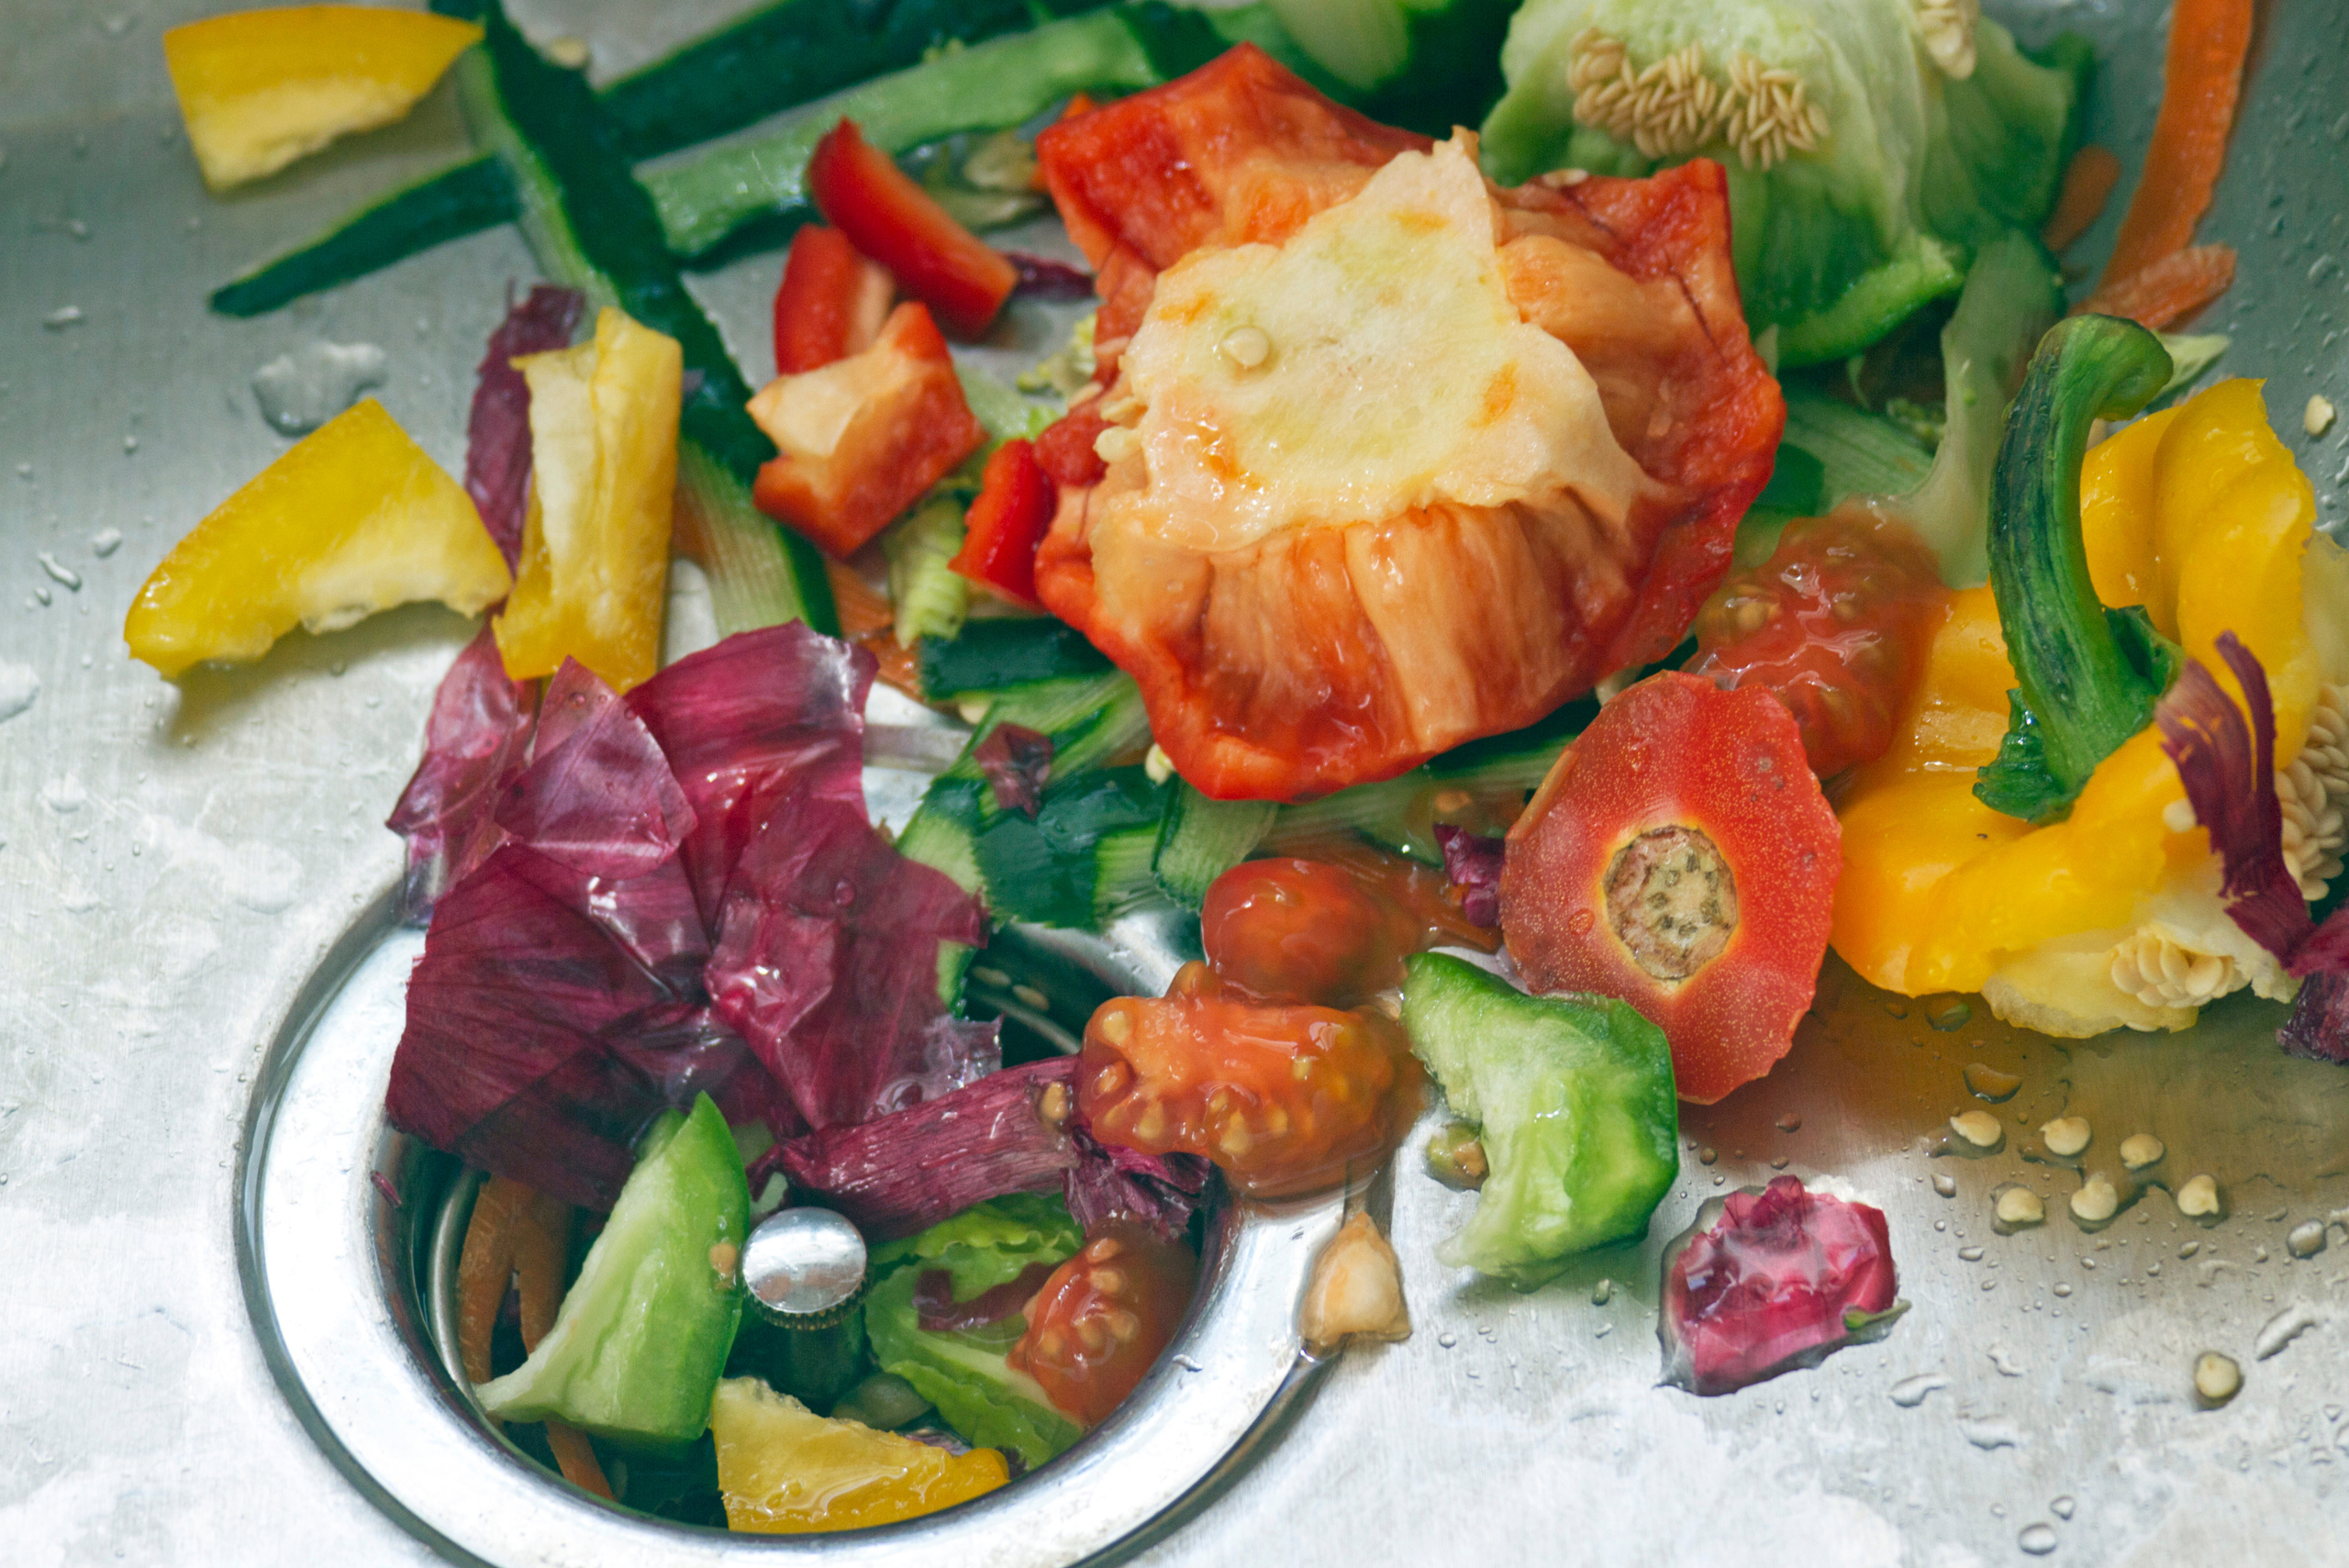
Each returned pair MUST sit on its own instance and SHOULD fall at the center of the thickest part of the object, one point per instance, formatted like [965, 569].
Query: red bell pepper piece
[866, 196]
[861, 438]
[1005, 523]
[830, 304]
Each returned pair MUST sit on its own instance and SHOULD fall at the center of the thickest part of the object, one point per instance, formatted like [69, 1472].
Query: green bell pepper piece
[636, 1350]
[1574, 1097]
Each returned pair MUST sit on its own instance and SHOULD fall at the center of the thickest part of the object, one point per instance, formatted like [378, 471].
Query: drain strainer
[337, 1237]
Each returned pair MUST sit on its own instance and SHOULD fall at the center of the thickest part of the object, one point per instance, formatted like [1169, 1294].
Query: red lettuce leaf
[1040, 277]
[939, 1313]
[498, 433]
[902, 1172]
[762, 718]
[598, 796]
[1109, 1181]
[827, 963]
[1472, 863]
[1016, 761]
[2229, 770]
[475, 741]
[1768, 1287]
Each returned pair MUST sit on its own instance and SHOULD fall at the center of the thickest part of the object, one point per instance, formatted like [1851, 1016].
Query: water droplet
[2039, 1540]
[1580, 922]
[1895, 1011]
[2282, 1330]
[1447, 1338]
[1705, 1156]
[2062, 1508]
[64, 796]
[1986, 1083]
[1988, 1435]
[1970, 1254]
[2061, 1288]
[843, 894]
[1602, 1293]
[1944, 1184]
[105, 542]
[1779, 1162]
[131, 443]
[25, 471]
[18, 687]
[1790, 1122]
[1910, 1392]
[65, 316]
[2306, 1240]
[303, 389]
[58, 572]
[1950, 1014]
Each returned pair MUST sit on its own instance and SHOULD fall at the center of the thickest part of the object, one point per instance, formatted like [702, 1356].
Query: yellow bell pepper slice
[2199, 515]
[783, 1470]
[595, 562]
[259, 89]
[353, 518]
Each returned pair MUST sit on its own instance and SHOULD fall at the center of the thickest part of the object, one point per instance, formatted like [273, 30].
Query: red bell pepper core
[1680, 856]
[1005, 523]
[864, 193]
[827, 307]
[861, 438]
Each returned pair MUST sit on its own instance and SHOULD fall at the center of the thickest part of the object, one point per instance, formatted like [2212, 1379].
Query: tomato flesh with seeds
[1102, 1318]
[1681, 856]
[1835, 625]
[1283, 1097]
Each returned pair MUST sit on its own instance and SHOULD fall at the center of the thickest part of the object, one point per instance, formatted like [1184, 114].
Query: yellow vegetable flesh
[258, 89]
[783, 1470]
[595, 561]
[353, 519]
[2199, 515]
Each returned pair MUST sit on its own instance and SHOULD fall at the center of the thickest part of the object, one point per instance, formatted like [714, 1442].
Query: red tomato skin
[1013, 509]
[1835, 625]
[1283, 1098]
[1296, 931]
[1101, 1321]
[864, 193]
[1676, 750]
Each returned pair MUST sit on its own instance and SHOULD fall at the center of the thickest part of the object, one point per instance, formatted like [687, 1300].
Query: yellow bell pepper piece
[783, 1470]
[353, 519]
[258, 89]
[595, 563]
[2198, 514]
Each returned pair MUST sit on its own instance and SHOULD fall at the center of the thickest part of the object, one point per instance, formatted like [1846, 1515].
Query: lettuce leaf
[1922, 146]
[962, 1371]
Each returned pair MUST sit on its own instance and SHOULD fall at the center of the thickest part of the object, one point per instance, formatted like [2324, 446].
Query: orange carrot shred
[2201, 81]
[2168, 291]
[2088, 180]
[900, 667]
[576, 1458]
[486, 1270]
[541, 1249]
[863, 607]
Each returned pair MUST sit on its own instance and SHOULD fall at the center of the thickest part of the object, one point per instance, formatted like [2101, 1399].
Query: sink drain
[343, 1238]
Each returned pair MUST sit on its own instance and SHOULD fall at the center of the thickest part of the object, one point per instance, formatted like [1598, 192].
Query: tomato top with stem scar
[1103, 1318]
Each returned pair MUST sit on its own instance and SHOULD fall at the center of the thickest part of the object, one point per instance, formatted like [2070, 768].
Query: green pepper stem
[2086, 677]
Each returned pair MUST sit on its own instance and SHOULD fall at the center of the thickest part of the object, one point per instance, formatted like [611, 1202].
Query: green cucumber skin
[591, 226]
[643, 1333]
[1202, 837]
[792, 52]
[704, 200]
[991, 655]
[475, 195]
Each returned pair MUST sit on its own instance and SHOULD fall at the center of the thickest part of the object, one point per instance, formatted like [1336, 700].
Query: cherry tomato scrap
[1835, 625]
[1290, 929]
[1102, 1318]
[1284, 1097]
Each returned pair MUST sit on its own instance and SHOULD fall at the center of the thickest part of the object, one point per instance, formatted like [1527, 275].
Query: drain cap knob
[804, 1267]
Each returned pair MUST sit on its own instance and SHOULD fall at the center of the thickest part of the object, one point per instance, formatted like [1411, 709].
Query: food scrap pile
[1490, 540]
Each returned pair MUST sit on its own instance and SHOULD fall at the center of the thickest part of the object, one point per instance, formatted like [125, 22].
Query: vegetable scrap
[1769, 1281]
